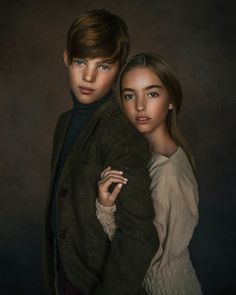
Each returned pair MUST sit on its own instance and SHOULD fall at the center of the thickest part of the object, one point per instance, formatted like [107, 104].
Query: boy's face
[90, 79]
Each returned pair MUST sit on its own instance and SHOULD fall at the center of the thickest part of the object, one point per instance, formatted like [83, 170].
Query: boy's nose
[89, 75]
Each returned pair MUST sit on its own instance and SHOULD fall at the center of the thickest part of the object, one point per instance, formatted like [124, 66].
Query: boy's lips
[86, 90]
[142, 120]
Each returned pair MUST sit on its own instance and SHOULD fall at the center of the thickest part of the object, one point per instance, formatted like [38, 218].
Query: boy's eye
[128, 96]
[78, 62]
[104, 67]
[153, 94]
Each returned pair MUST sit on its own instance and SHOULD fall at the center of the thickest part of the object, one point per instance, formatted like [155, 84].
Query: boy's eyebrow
[107, 61]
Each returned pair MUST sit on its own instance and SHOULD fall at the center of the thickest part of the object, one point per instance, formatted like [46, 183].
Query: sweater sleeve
[183, 215]
[175, 201]
[106, 217]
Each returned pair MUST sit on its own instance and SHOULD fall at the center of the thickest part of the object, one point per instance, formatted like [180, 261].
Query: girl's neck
[161, 142]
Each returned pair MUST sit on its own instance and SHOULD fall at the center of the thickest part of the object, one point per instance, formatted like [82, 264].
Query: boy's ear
[65, 57]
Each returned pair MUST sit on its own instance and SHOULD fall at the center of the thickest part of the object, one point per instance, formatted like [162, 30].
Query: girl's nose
[140, 106]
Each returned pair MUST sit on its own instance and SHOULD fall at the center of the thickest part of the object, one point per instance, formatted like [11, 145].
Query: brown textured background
[197, 38]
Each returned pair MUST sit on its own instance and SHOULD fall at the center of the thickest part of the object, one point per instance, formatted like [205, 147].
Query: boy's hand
[108, 177]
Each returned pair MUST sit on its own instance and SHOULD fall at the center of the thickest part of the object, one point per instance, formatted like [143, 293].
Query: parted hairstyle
[167, 76]
[98, 33]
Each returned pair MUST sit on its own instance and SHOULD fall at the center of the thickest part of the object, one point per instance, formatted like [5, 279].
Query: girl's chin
[142, 128]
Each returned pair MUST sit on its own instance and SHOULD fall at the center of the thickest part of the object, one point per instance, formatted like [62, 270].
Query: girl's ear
[170, 107]
[65, 57]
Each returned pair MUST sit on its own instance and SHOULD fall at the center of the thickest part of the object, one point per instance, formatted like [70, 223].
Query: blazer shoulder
[118, 126]
[118, 137]
[63, 116]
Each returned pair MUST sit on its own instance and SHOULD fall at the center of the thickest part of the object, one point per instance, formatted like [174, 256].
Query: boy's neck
[81, 106]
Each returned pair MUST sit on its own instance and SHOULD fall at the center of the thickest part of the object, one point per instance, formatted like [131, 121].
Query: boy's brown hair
[98, 33]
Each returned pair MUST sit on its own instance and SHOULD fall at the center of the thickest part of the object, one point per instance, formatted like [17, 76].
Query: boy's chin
[85, 99]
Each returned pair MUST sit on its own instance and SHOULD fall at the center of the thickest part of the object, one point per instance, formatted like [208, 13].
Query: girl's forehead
[141, 70]
[140, 74]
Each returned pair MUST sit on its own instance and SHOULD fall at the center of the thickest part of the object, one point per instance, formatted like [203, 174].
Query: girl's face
[145, 100]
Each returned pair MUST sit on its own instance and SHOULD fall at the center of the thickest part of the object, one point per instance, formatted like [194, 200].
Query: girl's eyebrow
[127, 89]
[153, 86]
[146, 88]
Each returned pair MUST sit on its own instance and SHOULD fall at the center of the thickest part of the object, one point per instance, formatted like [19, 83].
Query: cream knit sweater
[175, 198]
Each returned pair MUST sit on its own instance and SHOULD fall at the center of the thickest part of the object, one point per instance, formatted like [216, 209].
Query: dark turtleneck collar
[82, 107]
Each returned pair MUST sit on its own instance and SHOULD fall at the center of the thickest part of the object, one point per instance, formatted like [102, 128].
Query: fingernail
[121, 172]
[126, 179]
[120, 185]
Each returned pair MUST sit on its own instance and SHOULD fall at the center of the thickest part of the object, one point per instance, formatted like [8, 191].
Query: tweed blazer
[92, 263]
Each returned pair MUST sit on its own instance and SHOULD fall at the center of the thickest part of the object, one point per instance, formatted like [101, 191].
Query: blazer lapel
[62, 129]
[57, 148]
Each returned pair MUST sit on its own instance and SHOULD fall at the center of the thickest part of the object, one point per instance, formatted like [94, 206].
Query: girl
[150, 96]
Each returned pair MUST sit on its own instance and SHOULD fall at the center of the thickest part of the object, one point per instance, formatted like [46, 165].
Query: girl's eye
[104, 67]
[153, 94]
[128, 96]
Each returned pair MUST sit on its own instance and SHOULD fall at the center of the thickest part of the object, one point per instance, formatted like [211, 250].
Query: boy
[79, 259]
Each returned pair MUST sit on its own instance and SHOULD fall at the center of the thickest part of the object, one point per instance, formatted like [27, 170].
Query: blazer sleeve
[135, 240]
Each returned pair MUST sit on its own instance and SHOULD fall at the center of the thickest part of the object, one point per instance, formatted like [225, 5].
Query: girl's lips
[142, 120]
[86, 90]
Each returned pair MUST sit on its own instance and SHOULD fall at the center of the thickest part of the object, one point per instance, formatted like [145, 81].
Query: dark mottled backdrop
[196, 37]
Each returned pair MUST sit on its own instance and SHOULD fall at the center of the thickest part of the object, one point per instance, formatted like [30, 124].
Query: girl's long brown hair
[168, 78]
